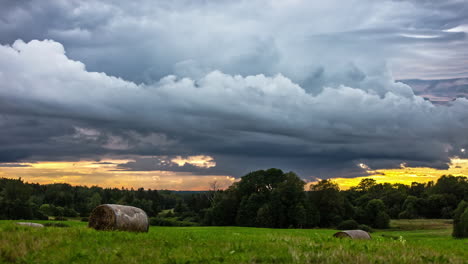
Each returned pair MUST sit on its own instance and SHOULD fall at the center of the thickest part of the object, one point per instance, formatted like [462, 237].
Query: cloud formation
[145, 41]
[242, 122]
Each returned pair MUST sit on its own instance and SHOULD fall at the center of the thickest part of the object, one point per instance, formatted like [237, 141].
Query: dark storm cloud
[243, 122]
[148, 40]
[325, 103]
[14, 165]
[440, 14]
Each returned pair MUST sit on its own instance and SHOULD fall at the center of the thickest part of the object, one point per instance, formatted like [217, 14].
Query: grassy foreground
[79, 244]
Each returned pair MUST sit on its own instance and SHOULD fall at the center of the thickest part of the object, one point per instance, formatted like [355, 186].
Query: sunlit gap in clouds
[110, 173]
[199, 161]
[407, 175]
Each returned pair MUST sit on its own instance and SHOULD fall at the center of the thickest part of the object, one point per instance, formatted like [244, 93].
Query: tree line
[271, 198]
[20, 200]
[264, 198]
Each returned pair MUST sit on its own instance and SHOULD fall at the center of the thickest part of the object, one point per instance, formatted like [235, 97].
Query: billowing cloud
[183, 85]
[148, 40]
[242, 122]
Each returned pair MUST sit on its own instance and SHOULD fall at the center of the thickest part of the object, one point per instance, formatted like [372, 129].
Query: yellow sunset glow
[198, 161]
[407, 175]
[106, 173]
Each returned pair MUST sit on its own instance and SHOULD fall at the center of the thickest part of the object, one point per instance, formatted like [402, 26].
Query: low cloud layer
[358, 115]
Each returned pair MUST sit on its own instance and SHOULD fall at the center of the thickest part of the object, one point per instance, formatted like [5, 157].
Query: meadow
[408, 241]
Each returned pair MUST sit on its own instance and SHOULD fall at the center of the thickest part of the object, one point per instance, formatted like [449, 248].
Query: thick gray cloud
[243, 122]
[148, 40]
[301, 85]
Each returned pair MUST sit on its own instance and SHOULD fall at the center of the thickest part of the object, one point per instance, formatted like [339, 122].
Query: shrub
[47, 209]
[69, 212]
[406, 215]
[169, 214]
[366, 228]
[382, 220]
[84, 219]
[348, 225]
[447, 212]
[40, 216]
[460, 221]
[376, 215]
[60, 218]
[186, 215]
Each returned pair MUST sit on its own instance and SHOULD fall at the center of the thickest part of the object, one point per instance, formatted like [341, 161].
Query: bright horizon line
[108, 174]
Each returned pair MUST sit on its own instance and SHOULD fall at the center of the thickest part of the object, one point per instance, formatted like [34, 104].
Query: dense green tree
[224, 210]
[326, 196]
[47, 209]
[94, 201]
[348, 225]
[265, 216]
[460, 220]
[247, 213]
[15, 200]
[265, 198]
[410, 208]
[365, 185]
[376, 215]
[180, 207]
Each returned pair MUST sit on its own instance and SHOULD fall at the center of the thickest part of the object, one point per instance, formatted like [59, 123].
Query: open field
[79, 244]
[421, 224]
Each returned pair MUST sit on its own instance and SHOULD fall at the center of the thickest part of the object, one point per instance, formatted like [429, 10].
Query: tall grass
[79, 244]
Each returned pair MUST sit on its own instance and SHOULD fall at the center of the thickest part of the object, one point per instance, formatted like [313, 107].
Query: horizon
[307, 185]
[403, 175]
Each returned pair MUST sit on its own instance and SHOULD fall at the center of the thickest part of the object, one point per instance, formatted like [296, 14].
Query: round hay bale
[118, 217]
[30, 224]
[353, 234]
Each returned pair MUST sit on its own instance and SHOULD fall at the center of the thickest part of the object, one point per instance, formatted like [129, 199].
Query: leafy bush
[60, 218]
[382, 220]
[460, 221]
[69, 212]
[40, 216]
[406, 215]
[169, 214]
[366, 228]
[348, 225]
[376, 215]
[84, 219]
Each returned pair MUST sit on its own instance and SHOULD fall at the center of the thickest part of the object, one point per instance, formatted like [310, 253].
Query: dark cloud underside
[241, 82]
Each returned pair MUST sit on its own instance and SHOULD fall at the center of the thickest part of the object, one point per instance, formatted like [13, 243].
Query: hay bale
[30, 224]
[118, 217]
[353, 234]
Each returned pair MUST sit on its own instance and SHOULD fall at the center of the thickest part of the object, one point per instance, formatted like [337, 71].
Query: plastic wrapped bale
[30, 224]
[353, 234]
[118, 217]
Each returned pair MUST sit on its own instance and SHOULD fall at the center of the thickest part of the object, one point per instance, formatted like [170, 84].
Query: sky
[178, 94]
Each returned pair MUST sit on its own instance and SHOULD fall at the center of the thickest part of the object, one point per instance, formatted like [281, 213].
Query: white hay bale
[353, 234]
[30, 224]
[118, 217]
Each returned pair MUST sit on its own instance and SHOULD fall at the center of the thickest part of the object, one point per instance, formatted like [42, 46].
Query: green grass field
[404, 243]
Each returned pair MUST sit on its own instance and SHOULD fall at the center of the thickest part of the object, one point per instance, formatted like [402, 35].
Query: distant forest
[264, 198]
